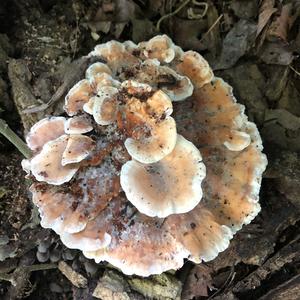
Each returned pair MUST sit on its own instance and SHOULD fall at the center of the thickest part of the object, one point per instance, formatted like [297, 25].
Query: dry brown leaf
[277, 53]
[266, 10]
[197, 282]
[279, 28]
[191, 29]
[236, 43]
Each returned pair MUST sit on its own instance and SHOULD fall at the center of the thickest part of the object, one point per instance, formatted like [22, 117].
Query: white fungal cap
[105, 107]
[241, 141]
[78, 148]
[143, 246]
[159, 105]
[170, 186]
[103, 79]
[85, 240]
[25, 163]
[88, 107]
[196, 68]
[225, 118]
[149, 149]
[95, 69]
[130, 46]
[176, 86]
[179, 88]
[156, 108]
[47, 165]
[160, 47]
[116, 55]
[78, 125]
[44, 131]
[134, 87]
[100, 75]
[200, 233]
[77, 96]
[232, 183]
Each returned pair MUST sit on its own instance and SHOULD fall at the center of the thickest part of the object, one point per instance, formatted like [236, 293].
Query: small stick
[171, 14]
[211, 27]
[14, 139]
[74, 74]
[292, 68]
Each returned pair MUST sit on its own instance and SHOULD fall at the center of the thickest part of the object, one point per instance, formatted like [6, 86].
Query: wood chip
[75, 278]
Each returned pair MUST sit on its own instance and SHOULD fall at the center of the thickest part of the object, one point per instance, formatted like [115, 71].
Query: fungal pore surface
[155, 163]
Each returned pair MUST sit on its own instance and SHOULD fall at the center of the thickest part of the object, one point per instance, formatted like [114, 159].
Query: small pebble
[44, 246]
[82, 258]
[68, 254]
[55, 288]
[76, 265]
[55, 255]
[42, 257]
[90, 267]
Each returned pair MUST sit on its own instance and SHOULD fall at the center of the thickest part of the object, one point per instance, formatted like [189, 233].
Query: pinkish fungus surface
[155, 164]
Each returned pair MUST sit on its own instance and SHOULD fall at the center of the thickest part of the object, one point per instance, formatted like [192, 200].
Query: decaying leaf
[277, 53]
[244, 9]
[266, 10]
[111, 286]
[279, 28]
[282, 129]
[117, 11]
[288, 178]
[197, 283]
[192, 28]
[142, 29]
[236, 43]
[163, 286]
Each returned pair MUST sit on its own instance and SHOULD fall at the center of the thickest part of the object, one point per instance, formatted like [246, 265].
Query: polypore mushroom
[157, 142]
[77, 149]
[196, 68]
[78, 95]
[47, 165]
[78, 125]
[160, 47]
[170, 186]
[104, 105]
[44, 131]
[118, 182]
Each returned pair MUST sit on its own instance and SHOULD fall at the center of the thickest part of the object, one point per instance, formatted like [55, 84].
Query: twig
[74, 73]
[6, 277]
[41, 267]
[211, 27]
[228, 281]
[171, 14]
[19, 271]
[292, 68]
[14, 139]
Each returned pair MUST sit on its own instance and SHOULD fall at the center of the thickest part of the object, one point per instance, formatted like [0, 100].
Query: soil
[254, 45]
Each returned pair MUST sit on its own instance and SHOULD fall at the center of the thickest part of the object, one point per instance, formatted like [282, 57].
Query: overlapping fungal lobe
[172, 185]
[156, 163]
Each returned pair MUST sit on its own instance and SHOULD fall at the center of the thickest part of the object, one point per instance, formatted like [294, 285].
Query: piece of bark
[286, 255]
[289, 290]
[20, 77]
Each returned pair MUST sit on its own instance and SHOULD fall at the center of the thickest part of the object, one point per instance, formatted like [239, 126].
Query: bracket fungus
[155, 163]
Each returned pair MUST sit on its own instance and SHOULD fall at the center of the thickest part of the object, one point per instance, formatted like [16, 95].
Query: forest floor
[253, 45]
